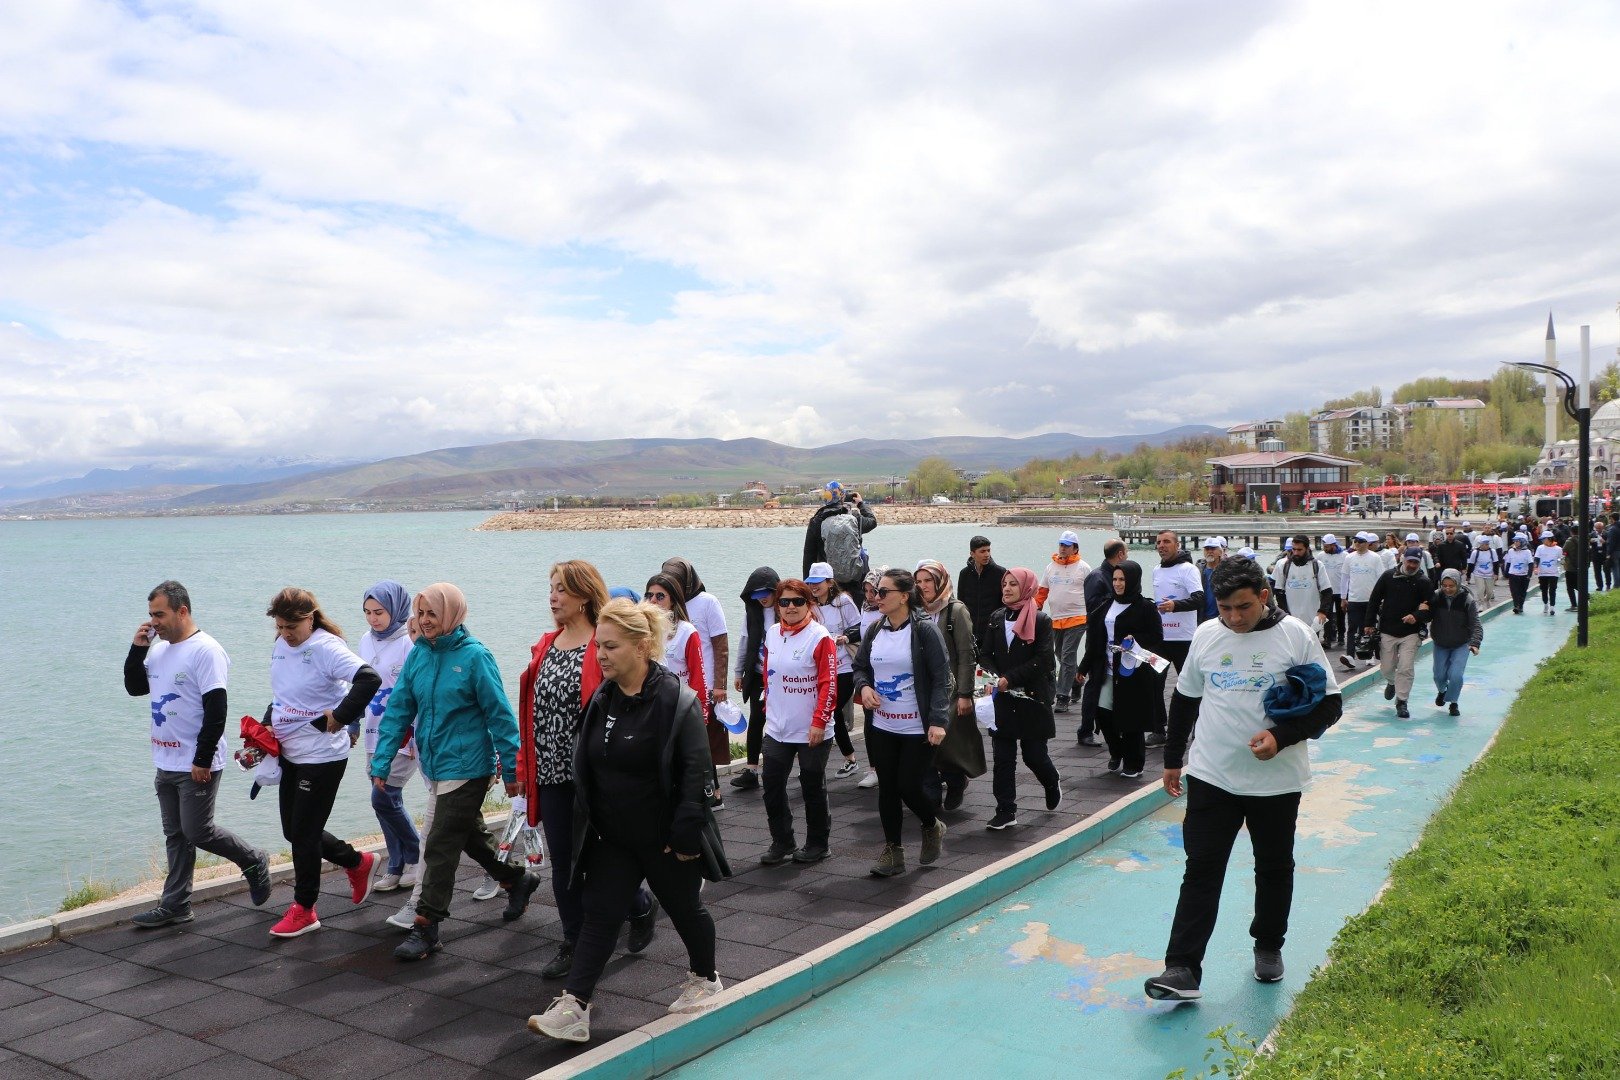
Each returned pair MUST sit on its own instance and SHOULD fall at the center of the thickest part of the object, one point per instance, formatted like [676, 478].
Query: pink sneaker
[364, 876]
[298, 920]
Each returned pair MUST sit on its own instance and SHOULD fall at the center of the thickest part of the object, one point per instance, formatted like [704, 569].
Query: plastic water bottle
[1127, 661]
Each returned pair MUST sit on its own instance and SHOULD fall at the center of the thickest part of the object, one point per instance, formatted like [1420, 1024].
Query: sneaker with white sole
[565, 1018]
[404, 918]
[363, 878]
[298, 921]
[846, 770]
[1268, 965]
[162, 916]
[695, 993]
[386, 882]
[869, 780]
[1173, 984]
[409, 876]
[488, 889]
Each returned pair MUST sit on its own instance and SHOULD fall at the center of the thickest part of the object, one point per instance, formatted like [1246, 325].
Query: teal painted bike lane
[1048, 981]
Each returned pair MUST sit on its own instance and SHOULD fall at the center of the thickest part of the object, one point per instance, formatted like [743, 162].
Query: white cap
[1464, 525]
[1214, 542]
[1412, 536]
[1366, 537]
[1546, 534]
[819, 572]
[1069, 538]
[1246, 553]
[1329, 538]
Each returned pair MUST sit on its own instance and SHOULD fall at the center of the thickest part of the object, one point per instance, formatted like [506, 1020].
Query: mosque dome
[1606, 421]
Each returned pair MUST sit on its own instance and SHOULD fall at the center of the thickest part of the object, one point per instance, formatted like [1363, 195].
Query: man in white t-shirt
[1247, 767]
[183, 671]
[1178, 592]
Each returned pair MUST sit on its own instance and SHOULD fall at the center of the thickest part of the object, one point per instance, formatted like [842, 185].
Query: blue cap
[624, 592]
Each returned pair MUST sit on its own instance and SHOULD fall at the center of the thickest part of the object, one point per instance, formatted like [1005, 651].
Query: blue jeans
[1449, 665]
[404, 845]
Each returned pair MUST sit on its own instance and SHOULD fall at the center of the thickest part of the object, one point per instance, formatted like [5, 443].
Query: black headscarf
[683, 572]
[1133, 582]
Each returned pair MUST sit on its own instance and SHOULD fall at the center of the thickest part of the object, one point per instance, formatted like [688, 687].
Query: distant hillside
[540, 467]
[150, 478]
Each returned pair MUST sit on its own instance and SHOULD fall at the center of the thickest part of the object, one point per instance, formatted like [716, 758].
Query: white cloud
[351, 226]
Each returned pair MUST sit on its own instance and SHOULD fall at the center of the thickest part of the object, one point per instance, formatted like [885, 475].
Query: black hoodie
[753, 640]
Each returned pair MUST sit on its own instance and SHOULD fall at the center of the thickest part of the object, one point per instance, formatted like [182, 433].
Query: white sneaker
[565, 1019]
[869, 780]
[385, 882]
[404, 918]
[411, 875]
[489, 890]
[695, 993]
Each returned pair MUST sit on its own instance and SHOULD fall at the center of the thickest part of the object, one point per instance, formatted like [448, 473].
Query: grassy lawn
[1495, 953]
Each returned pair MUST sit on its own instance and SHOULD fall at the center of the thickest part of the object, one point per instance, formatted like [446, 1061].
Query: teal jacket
[465, 729]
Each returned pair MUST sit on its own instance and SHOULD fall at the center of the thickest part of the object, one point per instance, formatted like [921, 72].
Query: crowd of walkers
[613, 750]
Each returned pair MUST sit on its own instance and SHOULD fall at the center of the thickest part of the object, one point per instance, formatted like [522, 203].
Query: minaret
[1552, 395]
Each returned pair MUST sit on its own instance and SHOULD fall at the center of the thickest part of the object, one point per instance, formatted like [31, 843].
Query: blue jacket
[452, 691]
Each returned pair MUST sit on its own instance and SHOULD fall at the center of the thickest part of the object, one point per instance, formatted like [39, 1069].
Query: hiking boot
[162, 916]
[1054, 795]
[258, 879]
[1440, 699]
[1173, 984]
[746, 780]
[1401, 712]
[558, 966]
[812, 853]
[488, 889]
[1268, 965]
[298, 921]
[695, 993]
[778, 854]
[891, 862]
[933, 839]
[567, 1018]
[642, 926]
[1389, 691]
[1453, 710]
[422, 943]
[363, 878]
[846, 770]
[1002, 820]
[517, 897]
[404, 918]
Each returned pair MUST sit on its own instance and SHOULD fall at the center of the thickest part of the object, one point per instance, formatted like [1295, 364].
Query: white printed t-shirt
[305, 682]
[1231, 672]
[1177, 583]
[703, 611]
[178, 676]
[894, 681]
[1517, 561]
[388, 658]
[1549, 560]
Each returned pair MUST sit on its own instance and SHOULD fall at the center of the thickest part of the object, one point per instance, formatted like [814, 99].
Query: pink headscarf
[1024, 628]
[449, 602]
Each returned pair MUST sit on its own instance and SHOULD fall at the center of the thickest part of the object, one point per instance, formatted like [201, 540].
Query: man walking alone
[183, 671]
[1063, 594]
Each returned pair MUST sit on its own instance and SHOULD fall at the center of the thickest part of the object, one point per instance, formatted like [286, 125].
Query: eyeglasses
[887, 592]
[791, 601]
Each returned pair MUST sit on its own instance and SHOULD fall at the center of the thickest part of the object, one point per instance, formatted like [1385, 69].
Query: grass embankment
[1495, 952]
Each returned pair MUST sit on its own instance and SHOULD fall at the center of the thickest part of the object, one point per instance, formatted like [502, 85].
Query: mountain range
[530, 469]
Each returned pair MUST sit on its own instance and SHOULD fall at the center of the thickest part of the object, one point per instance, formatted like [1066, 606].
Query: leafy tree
[1606, 387]
[933, 476]
[1296, 431]
[996, 485]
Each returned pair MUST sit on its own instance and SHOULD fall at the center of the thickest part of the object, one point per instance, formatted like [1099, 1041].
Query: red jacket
[590, 677]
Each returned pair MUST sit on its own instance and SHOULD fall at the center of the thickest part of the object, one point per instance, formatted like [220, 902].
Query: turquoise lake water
[76, 796]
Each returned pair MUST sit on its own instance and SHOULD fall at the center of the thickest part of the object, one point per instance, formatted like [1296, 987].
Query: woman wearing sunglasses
[801, 687]
[683, 656]
[903, 675]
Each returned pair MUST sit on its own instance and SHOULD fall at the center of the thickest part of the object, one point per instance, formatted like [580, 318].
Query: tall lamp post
[1578, 404]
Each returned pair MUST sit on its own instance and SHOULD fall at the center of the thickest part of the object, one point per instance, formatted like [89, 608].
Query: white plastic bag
[984, 711]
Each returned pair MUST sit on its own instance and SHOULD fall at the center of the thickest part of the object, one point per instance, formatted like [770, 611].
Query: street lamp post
[1578, 404]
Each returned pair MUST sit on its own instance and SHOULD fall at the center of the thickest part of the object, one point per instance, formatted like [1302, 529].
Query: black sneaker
[1389, 691]
[422, 942]
[1001, 821]
[1173, 984]
[745, 780]
[778, 854]
[642, 926]
[1054, 796]
[162, 916]
[1453, 710]
[717, 804]
[1440, 699]
[258, 879]
[1347, 663]
[1154, 738]
[1400, 711]
[1268, 965]
[1137, 775]
[517, 897]
[1113, 764]
[558, 966]
[953, 797]
[812, 853]
[1089, 740]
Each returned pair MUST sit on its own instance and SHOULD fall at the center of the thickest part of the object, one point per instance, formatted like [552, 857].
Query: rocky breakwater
[723, 518]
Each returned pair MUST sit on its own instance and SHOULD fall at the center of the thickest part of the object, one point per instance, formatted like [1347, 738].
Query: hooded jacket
[1396, 596]
[753, 635]
[452, 689]
[815, 549]
[1454, 621]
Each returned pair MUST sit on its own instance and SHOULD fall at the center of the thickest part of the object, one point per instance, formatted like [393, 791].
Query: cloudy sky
[236, 229]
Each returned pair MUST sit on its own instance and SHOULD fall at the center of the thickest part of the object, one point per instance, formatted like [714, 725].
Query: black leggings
[901, 763]
[613, 873]
[307, 793]
[756, 728]
[841, 711]
[1549, 590]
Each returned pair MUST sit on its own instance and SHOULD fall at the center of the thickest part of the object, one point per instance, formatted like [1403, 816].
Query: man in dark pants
[1099, 591]
[1246, 768]
[978, 584]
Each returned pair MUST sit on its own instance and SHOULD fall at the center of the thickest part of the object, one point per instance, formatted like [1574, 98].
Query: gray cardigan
[930, 669]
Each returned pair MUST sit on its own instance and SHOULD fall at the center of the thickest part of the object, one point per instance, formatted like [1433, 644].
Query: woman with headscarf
[1130, 701]
[1017, 646]
[903, 677]
[759, 600]
[387, 608]
[703, 610]
[450, 692]
[318, 688]
[683, 656]
[553, 692]
[839, 614]
[869, 618]
[961, 756]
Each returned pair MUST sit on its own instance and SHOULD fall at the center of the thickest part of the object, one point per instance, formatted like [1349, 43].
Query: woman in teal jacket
[465, 731]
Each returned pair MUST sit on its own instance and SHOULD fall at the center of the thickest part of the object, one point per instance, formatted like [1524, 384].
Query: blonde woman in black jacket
[1017, 645]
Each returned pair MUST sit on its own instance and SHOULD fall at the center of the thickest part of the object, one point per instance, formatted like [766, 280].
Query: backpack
[841, 539]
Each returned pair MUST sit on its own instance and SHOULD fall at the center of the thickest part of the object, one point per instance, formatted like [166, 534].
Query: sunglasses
[887, 591]
[791, 601]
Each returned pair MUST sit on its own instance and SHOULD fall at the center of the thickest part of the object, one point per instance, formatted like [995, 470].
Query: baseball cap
[1329, 538]
[1413, 555]
[819, 572]
[834, 485]
[1246, 553]
[1213, 542]
[1412, 536]
[1546, 534]
[624, 592]
[1069, 538]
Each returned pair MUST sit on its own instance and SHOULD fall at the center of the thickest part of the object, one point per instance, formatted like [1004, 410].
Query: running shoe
[846, 770]
[566, 1018]
[387, 881]
[410, 875]
[517, 897]
[488, 889]
[1154, 738]
[1268, 965]
[1173, 984]
[298, 921]
[642, 927]
[1054, 795]
[404, 918]
[696, 993]
[746, 780]
[258, 879]
[1001, 821]
[558, 965]
[162, 916]
[1113, 764]
[869, 780]
[363, 878]
[812, 853]
[1137, 775]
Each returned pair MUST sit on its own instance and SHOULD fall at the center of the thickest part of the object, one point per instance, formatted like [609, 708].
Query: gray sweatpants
[1397, 657]
[188, 824]
[1067, 642]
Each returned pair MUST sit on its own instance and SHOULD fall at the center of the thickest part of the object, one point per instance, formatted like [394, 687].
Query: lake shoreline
[594, 519]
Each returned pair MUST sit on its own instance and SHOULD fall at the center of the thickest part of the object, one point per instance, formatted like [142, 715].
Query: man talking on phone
[1248, 766]
[183, 671]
